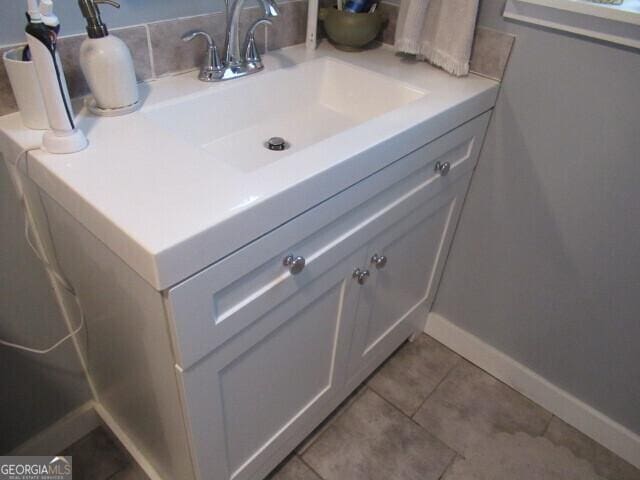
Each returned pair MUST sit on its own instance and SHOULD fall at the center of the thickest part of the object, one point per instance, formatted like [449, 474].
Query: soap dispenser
[107, 65]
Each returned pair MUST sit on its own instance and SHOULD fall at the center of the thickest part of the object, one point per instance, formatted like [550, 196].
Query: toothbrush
[33, 14]
[42, 36]
[33, 11]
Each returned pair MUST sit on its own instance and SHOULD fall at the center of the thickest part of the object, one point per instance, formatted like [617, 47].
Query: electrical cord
[62, 281]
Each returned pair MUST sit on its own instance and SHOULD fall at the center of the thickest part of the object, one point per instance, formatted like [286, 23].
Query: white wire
[64, 283]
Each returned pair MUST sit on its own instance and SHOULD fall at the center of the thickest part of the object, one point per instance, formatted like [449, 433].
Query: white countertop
[169, 210]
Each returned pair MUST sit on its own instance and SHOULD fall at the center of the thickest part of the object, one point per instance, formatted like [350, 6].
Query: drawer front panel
[210, 308]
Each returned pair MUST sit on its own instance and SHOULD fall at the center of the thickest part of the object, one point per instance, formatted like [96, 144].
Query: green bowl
[351, 31]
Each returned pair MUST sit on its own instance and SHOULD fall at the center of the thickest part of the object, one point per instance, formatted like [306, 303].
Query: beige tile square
[374, 441]
[491, 51]
[413, 372]
[290, 27]
[171, 54]
[390, 12]
[470, 405]
[606, 463]
[69, 48]
[7, 100]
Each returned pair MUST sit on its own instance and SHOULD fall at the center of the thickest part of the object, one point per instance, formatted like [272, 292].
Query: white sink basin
[185, 181]
[303, 104]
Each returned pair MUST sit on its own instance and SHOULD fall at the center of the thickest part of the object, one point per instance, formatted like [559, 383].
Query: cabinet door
[397, 295]
[253, 399]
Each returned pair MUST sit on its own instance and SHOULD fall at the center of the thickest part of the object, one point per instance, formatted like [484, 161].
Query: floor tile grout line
[389, 403]
[446, 375]
[546, 430]
[310, 467]
[380, 394]
[112, 475]
[418, 425]
[344, 407]
[422, 427]
[446, 469]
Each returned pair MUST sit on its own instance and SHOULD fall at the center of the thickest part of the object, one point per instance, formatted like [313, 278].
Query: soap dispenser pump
[107, 65]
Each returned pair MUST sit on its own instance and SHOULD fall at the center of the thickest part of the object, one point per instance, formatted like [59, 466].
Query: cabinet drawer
[211, 307]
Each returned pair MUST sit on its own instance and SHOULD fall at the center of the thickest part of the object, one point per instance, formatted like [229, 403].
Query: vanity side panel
[127, 345]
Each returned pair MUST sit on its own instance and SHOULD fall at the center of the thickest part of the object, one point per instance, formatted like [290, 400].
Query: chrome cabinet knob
[443, 168]
[295, 264]
[380, 261]
[361, 275]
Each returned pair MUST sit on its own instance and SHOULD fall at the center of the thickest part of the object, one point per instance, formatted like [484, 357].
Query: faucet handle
[213, 65]
[252, 55]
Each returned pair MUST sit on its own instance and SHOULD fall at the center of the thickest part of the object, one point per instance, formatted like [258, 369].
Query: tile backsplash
[158, 50]
[7, 101]
[170, 53]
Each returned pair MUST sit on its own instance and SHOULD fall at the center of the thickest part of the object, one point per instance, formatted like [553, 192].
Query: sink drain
[276, 144]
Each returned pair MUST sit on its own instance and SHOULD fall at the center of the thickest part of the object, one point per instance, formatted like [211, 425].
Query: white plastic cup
[26, 89]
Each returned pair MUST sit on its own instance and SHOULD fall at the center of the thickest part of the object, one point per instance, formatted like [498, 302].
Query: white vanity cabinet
[220, 376]
[210, 357]
[265, 350]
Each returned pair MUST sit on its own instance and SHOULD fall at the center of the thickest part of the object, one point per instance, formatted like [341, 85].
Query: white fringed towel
[440, 31]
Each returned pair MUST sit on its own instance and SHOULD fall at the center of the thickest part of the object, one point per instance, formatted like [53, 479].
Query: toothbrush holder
[26, 89]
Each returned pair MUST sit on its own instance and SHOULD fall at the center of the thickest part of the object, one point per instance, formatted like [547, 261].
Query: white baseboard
[562, 404]
[61, 434]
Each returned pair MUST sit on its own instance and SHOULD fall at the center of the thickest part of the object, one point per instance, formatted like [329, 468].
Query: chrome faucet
[240, 59]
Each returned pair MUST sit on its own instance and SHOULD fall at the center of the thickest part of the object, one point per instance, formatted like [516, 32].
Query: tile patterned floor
[420, 412]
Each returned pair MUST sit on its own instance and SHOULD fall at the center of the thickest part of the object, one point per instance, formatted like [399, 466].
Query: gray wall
[12, 19]
[546, 262]
[36, 390]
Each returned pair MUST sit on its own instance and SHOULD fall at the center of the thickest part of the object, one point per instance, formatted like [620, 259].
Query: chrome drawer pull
[361, 275]
[443, 168]
[380, 261]
[295, 264]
